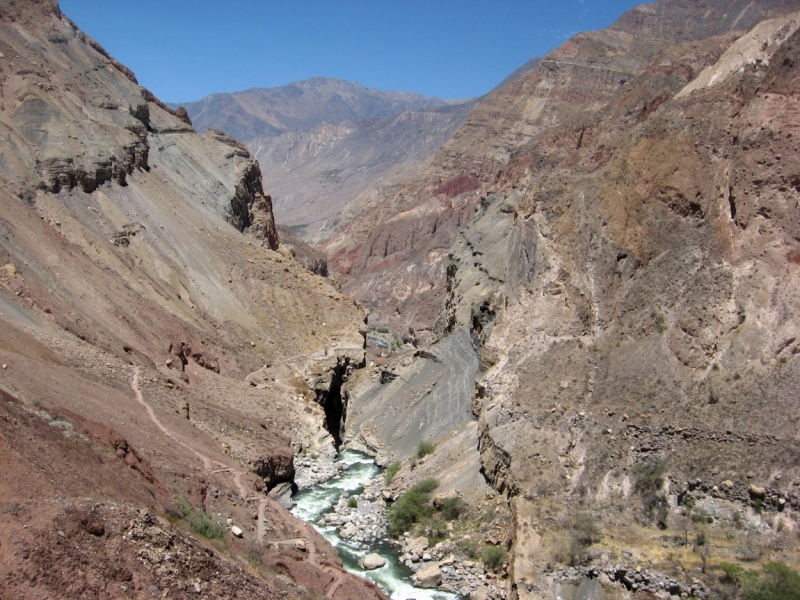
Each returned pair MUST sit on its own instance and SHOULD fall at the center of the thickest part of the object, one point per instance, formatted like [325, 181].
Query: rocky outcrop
[416, 399]
[310, 257]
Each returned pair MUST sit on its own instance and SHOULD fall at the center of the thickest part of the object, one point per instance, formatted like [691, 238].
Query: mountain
[260, 112]
[150, 320]
[608, 248]
[321, 142]
[520, 70]
[315, 173]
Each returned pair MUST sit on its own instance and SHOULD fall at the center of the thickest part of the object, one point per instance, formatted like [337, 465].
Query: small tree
[425, 448]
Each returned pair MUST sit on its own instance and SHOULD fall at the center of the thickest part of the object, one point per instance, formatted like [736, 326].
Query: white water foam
[312, 504]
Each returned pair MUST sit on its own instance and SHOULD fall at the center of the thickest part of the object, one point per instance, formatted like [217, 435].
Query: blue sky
[185, 49]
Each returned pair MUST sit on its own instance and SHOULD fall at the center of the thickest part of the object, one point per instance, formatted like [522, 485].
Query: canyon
[568, 306]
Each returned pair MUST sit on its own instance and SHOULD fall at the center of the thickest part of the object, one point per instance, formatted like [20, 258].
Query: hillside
[141, 283]
[615, 231]
[321, 142]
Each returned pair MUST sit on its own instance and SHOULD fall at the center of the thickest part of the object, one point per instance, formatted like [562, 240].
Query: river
[313, 503]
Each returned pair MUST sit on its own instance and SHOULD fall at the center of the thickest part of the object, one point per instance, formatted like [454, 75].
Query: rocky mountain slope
[616, 229]
[142, 281]
[321, 142]
[315, 173]
[265, 112]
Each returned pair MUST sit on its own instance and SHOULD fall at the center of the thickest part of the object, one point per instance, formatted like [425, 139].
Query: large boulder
[428, 576]
[417, 546]
[348, 531]
[371, 561]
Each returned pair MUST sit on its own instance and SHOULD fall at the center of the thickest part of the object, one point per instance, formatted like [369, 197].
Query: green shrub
[470, 548]
[424, 449]
[409, 508]
[494, 556]
[730, 573]
[452, 508]
[383, 330]
[390, 472]
[777, 582]
[202, 524]
[650, 476]
[425, 486]
[661, 322]
[352, 503]
[586, 529]
[699, 515]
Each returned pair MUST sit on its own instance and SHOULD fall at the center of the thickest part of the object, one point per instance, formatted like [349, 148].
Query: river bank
[359, 530]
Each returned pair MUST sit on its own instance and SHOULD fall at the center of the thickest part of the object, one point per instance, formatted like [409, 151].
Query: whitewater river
[313, 503]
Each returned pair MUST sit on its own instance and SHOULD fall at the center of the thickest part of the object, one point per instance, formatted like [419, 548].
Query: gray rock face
[425, 400]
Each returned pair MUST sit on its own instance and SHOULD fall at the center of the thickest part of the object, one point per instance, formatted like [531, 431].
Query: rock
[388, 495]
[348, 531]
[756, 491]
[440, 499]
[728, 484]
[300, 545]
[482, 593]
[417, 546]
[282, 493]
[750, 475]
[428, 576]
[236, 531]
[427, 557]
[371, 561]
[181, 113]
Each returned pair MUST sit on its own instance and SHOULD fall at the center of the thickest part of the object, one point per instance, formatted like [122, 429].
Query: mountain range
[563, 317]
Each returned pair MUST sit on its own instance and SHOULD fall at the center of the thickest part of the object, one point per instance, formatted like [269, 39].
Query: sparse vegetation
[494, 557]
[650, 476]
[202, 524]
[352, 503]
[412, 507]
[452, 508]
[425, 486]
[586, 529]
[409, 508]
[391, 471]
[776, 581]
[661, 322]
[425, 448]
[197, 520]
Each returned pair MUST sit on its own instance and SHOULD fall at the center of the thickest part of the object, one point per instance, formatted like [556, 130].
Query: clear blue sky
[185, 49]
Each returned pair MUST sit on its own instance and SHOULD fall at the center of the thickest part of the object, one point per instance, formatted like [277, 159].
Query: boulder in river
[348, 531]
[371, 561]
[428, 576]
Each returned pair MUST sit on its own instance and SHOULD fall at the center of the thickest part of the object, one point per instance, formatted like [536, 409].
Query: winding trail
[263, 501]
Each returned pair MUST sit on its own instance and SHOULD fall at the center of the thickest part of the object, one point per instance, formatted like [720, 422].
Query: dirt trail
[263, 501]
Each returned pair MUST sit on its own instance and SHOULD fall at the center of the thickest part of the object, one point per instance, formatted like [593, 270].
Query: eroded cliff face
[391, 243]
[641, 304]
[140, 284]
[618, 229]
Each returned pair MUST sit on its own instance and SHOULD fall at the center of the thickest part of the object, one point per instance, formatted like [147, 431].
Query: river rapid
[313, 504]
